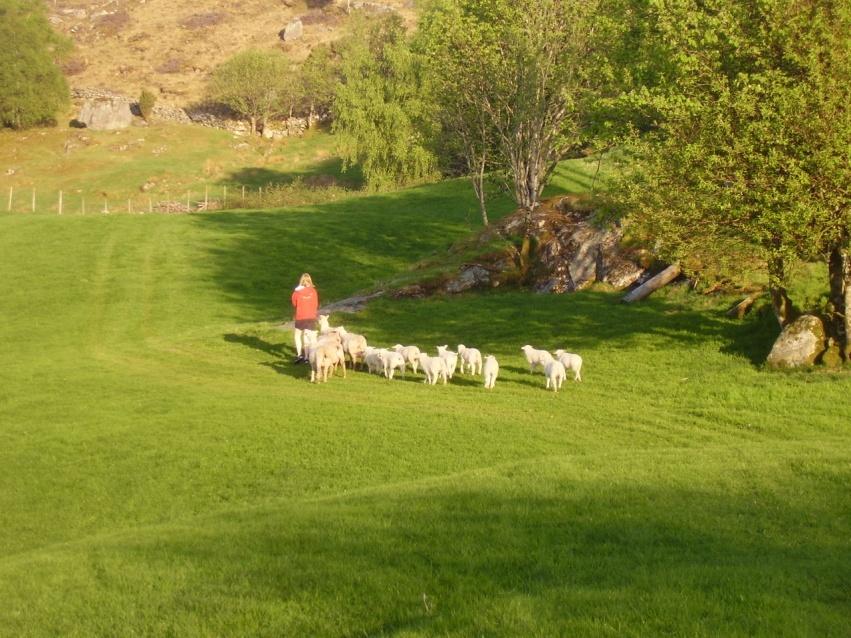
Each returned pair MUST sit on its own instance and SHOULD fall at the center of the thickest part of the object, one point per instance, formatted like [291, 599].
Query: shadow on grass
[501, 322]
[323, 172]
[535, 553]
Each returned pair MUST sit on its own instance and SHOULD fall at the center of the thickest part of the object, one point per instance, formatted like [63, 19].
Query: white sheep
[451, 359]
[572, 362]
[354, 345]
[554, 371]
[392, 360]
[411, 355]
[490, 371]
[373, 360]
[536, 357]
[433, 368]
[470, 357]
[323, 324]
[324, 357]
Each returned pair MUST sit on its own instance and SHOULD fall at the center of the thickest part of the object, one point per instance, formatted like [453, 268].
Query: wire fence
[14, 199]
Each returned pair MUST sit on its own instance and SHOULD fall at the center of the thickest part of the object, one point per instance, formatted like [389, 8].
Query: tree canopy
[383, 109]
[32, 88]
[750, 143]
[257, 85]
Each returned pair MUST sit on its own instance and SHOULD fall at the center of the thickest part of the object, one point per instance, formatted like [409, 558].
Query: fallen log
[743, 307]
[654, 283]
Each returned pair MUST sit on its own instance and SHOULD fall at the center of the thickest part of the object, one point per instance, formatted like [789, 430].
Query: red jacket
[306, 302]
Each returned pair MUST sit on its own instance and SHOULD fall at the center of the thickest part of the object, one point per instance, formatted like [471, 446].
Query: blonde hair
[305, 280]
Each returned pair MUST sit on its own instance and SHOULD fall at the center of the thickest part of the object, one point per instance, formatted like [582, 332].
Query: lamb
[570, 362]
[490, 371]
[373, 359]
[554, 371]
[451, 359]
[536, 357]
[411, 355]
[323, 324]
[392, 360]
[433, 368]
[470, 357]
[324, 357]
[354, 345]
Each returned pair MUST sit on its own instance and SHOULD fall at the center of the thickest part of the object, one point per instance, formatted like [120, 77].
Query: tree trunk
[839, 273]
[780, 302]
[478, 179]
[654, 283]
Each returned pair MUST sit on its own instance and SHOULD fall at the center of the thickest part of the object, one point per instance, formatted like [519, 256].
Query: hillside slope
[172, 45]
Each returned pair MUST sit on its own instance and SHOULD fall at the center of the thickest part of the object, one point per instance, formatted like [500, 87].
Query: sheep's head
[526, 348]
[559, 352]
[461, 348]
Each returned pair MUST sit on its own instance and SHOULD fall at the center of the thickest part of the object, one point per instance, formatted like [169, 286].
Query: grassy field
[158, 163]
[165, 469]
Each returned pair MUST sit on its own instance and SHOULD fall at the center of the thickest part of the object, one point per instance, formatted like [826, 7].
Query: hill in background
[171, 46]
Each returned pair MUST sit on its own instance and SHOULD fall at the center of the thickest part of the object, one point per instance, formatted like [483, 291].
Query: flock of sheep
[326, 349]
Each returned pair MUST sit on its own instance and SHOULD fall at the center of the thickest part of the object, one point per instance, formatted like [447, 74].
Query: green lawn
[165, 469]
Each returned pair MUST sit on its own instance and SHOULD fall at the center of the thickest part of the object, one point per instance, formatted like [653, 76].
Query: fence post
[33, 200]
[168, 202]
[129, 207]
[150, 205]
[187, 201]
[60, 202]
[105, 206]
[206, 197]
[225, 198]
[83, 204]
[243, 196]
[9, 207]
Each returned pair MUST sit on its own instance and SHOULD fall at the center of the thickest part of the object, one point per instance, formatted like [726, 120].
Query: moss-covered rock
[801, 343]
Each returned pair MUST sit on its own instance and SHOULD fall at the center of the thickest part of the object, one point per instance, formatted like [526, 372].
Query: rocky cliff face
[556, 248]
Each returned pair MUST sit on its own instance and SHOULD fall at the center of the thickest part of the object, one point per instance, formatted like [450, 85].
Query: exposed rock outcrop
[556, 248]
[105, 114]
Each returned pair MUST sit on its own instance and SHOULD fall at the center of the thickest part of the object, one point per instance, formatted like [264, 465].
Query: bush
[147, 100]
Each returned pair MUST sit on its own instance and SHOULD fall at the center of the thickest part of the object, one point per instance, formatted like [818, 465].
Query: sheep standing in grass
[433, 368]
[571, 362]
[411, 355]
[451, 359]
[470, 357]
[354, 345]
[490, 371]
[324, 357]
[536, 357]
[373, 360]
[392, 361]
[554, 371]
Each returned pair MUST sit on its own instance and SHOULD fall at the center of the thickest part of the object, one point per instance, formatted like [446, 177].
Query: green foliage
[32, 88]
[319, 75]
[514, 81]
[384, 113]
[257, 85]
[753, 126]
[147, 101]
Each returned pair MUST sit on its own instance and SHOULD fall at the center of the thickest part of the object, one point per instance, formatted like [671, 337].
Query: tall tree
[32, 88]
[383, 109]
[514, 80]
[257, 85]
[750, 144]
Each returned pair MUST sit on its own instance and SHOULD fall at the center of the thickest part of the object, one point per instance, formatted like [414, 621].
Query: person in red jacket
[305, 300]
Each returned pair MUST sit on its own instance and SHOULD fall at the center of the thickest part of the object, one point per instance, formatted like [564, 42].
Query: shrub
[147, 100]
